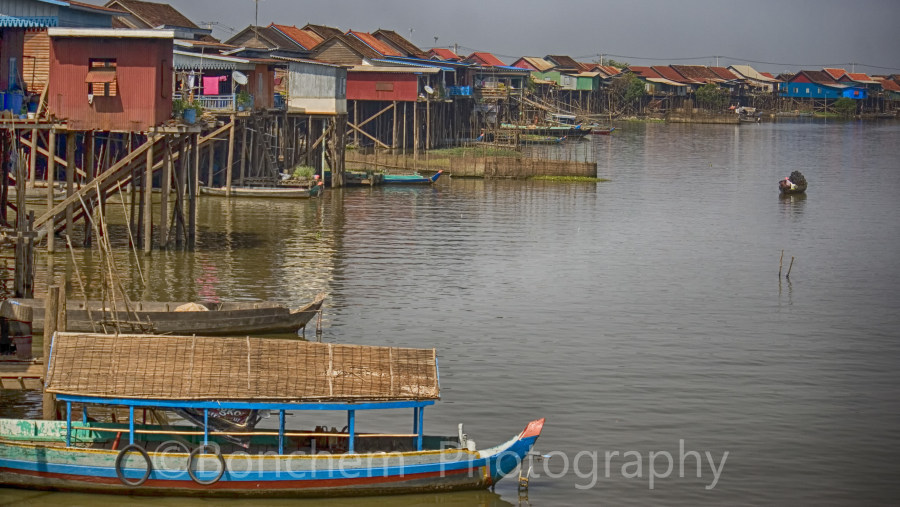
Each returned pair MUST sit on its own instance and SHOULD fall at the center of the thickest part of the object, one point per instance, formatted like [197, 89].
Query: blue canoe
[410, 179]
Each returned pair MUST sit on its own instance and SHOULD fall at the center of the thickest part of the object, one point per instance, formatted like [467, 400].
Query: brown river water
[643, 317]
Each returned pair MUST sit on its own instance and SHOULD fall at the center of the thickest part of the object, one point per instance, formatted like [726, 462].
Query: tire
[196, 452]
[121, 457]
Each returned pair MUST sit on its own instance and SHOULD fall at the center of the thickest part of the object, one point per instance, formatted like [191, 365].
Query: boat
[601, 131]
[794, 184]
[91, 374]
[411, 179]
[533, 139]
[285, 192]
[173, 317]
[548, 130]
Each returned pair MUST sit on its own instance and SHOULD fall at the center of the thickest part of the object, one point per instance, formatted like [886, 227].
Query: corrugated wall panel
[36, 65]
[382, 86]
[143, 76]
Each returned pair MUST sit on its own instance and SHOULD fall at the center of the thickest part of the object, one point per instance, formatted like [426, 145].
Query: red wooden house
[110, 79]
[403, 84]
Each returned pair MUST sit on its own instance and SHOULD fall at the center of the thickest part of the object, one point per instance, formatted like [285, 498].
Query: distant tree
[844, 107]
[620, 65]
[712, 97]
[626, 92]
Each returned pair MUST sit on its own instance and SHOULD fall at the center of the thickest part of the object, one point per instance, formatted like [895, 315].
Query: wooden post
[51, 170]
[32, 162]
[394, 131]
[355, 122]
[243, 153]
[427, 123]
[230, 159]
[416, 134]
[404, 130]
[70, 180]
[212, 158]
[51, 315]
[194, 179]
[147, 188]
[165, 184]
[87, 148]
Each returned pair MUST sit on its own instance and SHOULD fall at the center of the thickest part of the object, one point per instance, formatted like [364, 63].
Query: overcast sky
[771, 35]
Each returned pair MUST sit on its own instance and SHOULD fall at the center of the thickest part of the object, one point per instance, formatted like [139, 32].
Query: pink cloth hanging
[211, 84]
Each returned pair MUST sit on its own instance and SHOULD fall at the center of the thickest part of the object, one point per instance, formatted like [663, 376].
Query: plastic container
[190, 116]
[13, 102]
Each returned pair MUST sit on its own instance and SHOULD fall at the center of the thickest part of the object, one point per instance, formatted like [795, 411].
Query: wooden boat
[548, 130]
[165, 318]
[532, 139]
[602, 132]
[284, 192]
[90, 373]
[411, 179]
[795, 184]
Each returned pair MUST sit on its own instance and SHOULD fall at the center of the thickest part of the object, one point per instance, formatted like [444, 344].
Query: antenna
[435, 40]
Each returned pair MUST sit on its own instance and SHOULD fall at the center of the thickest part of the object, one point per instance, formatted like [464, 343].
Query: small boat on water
[283, 192]
[601, 131]
[533, 139]
[547, 130]
[794, 184]
[172, 317]
[411, 179]
[155, 377]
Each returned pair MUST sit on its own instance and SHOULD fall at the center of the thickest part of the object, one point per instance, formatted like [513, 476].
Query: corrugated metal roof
[751, 73]
[306, 60]
[189, 61]
[154, 14]
[860, 77]
[671, 74]
[323, 31]
[890, 85]
[644, 72]
[396, 69]
[835, 73]
[444, 54]
[724, 73]
[563, 61]
[416, 63]
[305, 38]
[663, 80]
[111, 33]
[379, 46]
[697, 73]
[538, 63]
[398, 42]
[486, 59]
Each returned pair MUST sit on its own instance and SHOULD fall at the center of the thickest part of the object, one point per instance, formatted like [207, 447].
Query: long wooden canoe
[410, 179]
[164, 318]
[279, 192]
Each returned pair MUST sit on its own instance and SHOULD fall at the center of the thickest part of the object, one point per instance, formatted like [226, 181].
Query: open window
[101, 78]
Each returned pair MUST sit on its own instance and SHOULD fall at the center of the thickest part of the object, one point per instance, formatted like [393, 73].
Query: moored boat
[411, 179]
[217, 377]
[174, 317]
[601, 131]
[283, 192]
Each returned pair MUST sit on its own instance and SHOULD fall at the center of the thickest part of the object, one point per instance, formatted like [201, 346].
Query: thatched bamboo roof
[237, 369]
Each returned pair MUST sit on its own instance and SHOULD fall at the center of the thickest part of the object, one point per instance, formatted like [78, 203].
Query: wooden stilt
[194, 178]
[88, 165]
[394, 129]
[230, 162]
[147, 187]
[51, 314]
[165, 186]
[32, 161]
[416, 134]
[210, 162]
[70, 180]
[51, 175]
[243, 153]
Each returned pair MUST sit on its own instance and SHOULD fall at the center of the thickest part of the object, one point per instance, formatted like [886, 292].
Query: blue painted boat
[227, 384]
[411, 179]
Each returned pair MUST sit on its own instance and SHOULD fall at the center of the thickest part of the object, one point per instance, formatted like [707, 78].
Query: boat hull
[52, 467]
[274, 192]
[399, 179]
[160, 317]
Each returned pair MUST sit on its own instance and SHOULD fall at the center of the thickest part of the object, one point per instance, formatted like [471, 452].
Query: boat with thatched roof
[239, 379]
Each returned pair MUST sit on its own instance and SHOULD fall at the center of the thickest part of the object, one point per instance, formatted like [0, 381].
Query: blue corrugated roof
[27, 22]
[410, 64]
[507, 67]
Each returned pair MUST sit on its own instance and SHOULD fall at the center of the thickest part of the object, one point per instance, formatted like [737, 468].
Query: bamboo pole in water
[50, 320]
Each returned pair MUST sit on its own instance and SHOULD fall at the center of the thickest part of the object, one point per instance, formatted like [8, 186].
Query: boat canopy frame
[418, 407]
